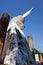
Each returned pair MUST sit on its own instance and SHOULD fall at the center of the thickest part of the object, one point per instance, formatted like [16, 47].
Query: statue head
[21, 19]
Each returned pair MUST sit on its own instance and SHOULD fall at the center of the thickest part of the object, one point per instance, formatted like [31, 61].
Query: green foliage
[37, 52]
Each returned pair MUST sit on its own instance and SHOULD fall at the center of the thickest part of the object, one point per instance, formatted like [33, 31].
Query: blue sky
[33, 23]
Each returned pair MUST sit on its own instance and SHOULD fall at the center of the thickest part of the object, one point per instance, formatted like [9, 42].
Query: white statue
[18, 50]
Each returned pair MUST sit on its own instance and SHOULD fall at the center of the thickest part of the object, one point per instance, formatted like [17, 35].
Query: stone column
[41, 58]
[30, 43]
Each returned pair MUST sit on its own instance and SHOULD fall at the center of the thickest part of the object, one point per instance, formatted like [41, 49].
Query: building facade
[38, 56]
